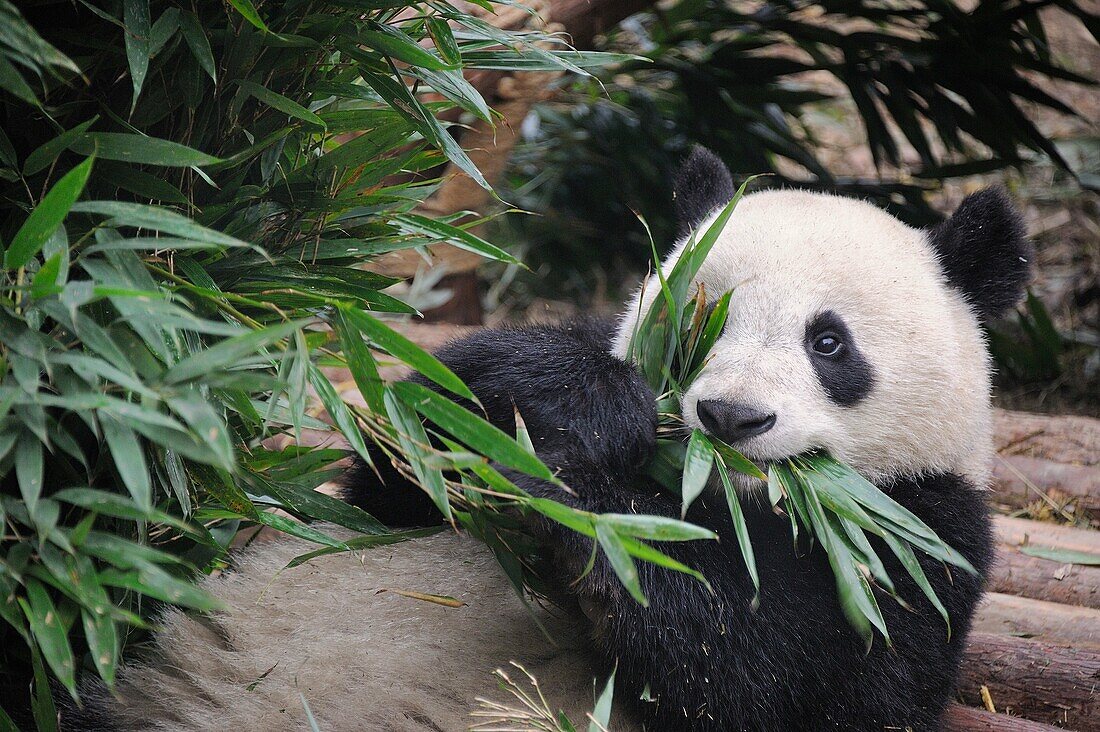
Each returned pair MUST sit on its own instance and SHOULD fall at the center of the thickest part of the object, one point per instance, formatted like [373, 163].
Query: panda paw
[616, 426]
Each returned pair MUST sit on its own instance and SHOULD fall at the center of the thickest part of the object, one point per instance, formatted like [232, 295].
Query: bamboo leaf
[126, 554]
[47, 216]
[401, 99]
[298, 529]
[157, 218]
[13, 82]
[553, 61]
[45, 154]
[416, 446]
[621, 562]
[736, 461]
[360, 361]
[1065, 556]
[453, 235]
[103, 644]
[393, 42]
[28, 470]
[151, 580]
[49, 634]
[138, 27]
[740, 526]
[470, 429]
[908, 559]
[229, 352]
[134, 148]
[281, 103]
[42, 703]
[129, 460]
[444, 40]
[249, 13]
[698, 463]
[113, 504]
[400, 347]
[647, 553]
[365, 542]
[338, 410]
[198, 43]
[601, 713]
[657, 528]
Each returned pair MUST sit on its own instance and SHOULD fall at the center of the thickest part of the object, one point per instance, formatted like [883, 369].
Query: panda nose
[733, 421]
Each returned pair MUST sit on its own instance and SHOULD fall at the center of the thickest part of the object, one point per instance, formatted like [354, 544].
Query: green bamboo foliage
[188, 194]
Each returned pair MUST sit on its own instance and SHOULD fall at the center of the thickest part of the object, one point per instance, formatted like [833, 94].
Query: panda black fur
[909, 408]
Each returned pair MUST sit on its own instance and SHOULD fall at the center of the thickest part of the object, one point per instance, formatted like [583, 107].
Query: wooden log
[1017, 532]
[1061, 439]
[585, 19]
[959, 718]
[1018, 574]
[1053, 683]
[1038, 619]
[1070, 489]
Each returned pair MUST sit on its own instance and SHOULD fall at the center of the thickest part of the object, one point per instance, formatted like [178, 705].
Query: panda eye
[828, 344]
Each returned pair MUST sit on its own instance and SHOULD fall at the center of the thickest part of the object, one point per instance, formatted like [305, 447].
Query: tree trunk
[1020, 480]
[1053, 462]
[585, 19]
[1062, 439]
[1018, 532]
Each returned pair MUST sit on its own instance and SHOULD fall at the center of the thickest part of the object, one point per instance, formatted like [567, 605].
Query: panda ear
[984, 252]
[702, 185]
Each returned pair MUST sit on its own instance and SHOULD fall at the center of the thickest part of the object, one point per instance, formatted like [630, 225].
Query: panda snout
[733, 421]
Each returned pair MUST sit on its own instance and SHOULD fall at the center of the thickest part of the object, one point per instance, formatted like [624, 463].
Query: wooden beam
[1018, 574]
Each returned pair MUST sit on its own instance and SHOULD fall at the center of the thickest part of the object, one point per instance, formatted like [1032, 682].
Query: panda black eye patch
[843, 371]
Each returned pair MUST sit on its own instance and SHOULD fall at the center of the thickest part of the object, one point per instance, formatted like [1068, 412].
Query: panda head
[848, 330]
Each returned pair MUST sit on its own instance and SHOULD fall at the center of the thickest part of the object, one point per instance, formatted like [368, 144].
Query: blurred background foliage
[909, 104]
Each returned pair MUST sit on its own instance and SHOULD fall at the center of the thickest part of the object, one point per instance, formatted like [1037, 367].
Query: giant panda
[848, 331]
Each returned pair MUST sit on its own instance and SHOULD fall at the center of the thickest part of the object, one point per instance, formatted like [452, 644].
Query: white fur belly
[363, 659]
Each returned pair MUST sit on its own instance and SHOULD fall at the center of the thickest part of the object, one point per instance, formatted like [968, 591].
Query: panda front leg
[572, 394]
[715, 660]
[680, 652]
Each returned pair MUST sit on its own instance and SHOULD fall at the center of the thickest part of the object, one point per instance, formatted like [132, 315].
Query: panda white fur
[848, 331]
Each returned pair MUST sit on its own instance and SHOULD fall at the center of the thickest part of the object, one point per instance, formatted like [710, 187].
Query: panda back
[335, 632]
